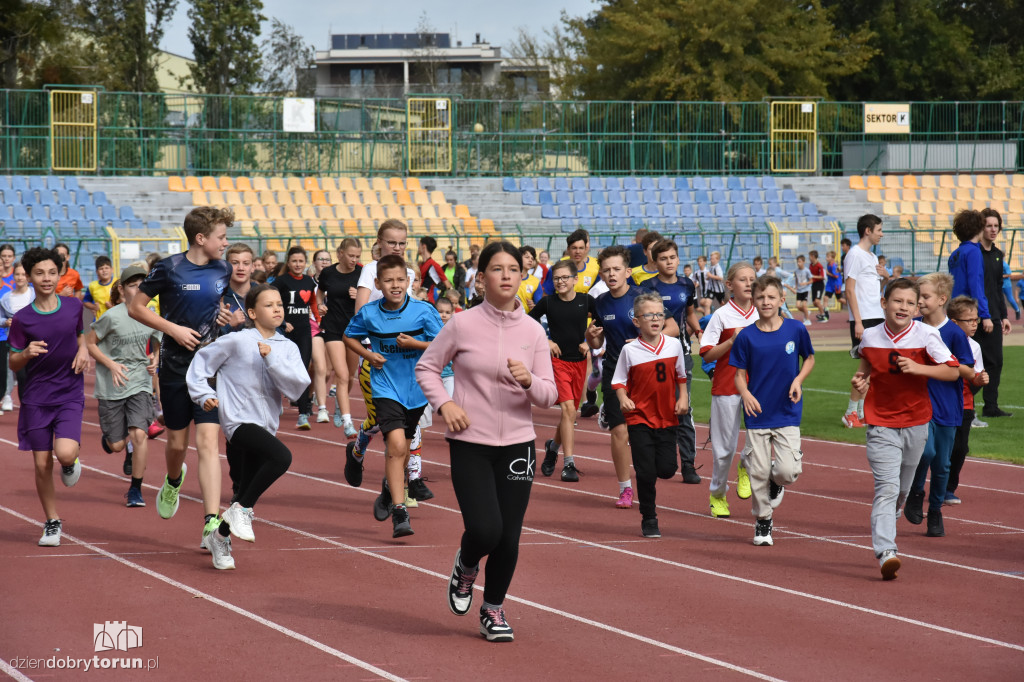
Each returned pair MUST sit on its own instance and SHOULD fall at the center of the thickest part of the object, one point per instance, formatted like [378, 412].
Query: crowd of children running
[220, 336]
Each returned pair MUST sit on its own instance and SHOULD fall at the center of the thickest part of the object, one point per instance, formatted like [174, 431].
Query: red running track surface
[326, 593]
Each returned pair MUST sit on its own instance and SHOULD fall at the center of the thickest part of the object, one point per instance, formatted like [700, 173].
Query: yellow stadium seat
[947, 181]
[369, 197]
[434, 226]
[417, 224]
[274, 213]
[241, 213]
[403, 198]
[360, 212]
[387, 198]
[294, 184]
[908, 195]
[960, 205]
[943, 208]
[379, 185]
[175, 184]
[462, 211]
[487, 226]
[284, 198]
[334, 197]
[437, 198]
[215, 198]
[983, 181]
[351, 198]
[965, 180]
[327, 185]
[1014, 206]
[249, 230]
[308, 213]
[1015, 193]
[301, 198]
[317, 197]
[962, 194]
[982, 194]
[346, 185]
[470, 225]
[873, 182]
[1000, 193]
[907, 208]
[928, 181]
[413, 184]
[310, 184]
[924, 221]
[232, 198]
[910, 182]
[891, 194]
[208, 184]
[199, 199]
[278, 185]
[392, 211]
[1000, 180]
[243, 184]
[890, 208]
[361, 184]
[266, 198]
[926, 194]
[258, 212]
[944, 194]
[395, 185]
[420, 197]
[428, 211]
[925, 208]
[410, 213]
[875, 196]
[291, 213]
[192, 184]
[444, 212]
[892, 182]
[857, 182]
[250, 198]
[980, 205]
[260, 185]
[377, 213]
[225, 183]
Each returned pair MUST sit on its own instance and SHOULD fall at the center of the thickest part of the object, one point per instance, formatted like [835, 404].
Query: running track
[325, 593]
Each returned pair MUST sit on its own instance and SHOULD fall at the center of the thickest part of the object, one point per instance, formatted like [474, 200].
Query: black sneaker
[570, 474]
[820, 317]
[649, 528]
[588, 410]
[353, 467]
[550, 457]
[493, 625]
[126, 467]
[400, 521]
[763, 533]
[460, 587]
[913, 509]
[419, 491]
[690, 474]
[935, 527]
[105, 445]
[775, 492]
[382, 506]
[995, 412]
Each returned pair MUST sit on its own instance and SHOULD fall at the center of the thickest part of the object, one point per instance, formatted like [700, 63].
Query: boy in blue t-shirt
[947, 398]
[399, 328]
[769, 377]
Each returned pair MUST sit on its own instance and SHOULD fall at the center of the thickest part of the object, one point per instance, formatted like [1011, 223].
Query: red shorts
[569, 377]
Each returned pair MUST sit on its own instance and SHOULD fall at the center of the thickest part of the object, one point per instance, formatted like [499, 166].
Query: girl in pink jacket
[502, 367]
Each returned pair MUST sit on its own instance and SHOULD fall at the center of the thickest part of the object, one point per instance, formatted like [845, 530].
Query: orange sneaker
[852, 421]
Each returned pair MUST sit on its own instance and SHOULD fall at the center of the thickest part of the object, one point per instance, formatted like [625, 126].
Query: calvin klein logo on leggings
[522, 469]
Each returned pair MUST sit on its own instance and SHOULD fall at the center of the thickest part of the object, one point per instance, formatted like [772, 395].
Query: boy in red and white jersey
[897, 359]
[645, 382]
[726, 402]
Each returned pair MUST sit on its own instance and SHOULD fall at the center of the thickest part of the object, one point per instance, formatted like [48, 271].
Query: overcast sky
[316, 20]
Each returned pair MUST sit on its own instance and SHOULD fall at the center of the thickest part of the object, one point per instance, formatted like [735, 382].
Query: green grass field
[826, 393]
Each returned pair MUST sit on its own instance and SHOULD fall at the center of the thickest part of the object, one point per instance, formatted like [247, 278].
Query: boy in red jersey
[897, 359]
[645, 382]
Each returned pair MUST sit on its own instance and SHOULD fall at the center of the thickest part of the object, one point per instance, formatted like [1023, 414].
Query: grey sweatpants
[893, 455]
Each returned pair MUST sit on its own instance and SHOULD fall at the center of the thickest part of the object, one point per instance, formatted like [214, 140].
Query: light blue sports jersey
[396, 380]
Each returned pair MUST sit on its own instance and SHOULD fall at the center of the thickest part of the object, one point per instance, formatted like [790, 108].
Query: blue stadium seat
[684, 196]
[4, 182]
[595, 184]
[687, 210]
[701, 197]
[71, 183]
[578, 184]
[719, 196]
[92, 213]
[64, 197]
[601, 211]
[734, 183]
[652, 210]
[723, 210]
[632, 196]
[109, 212]
[548, 211]
[684, 183]
[509, 185]
[19, 213]
[647, 183]
[581, 210]
[580, 196]
[789, 196]
[545, 198]
[19, 183]
[618, 211]
[772, 196]
[619, 224]
[630, 182]
[665, 183]
[37, 183]
[47, 199]
[663, 196]
[716, 183]
[651, 196]
[755, 195]
[544, 185]
[568, 225]
[565, 210]
[698, 183]
[562, 184]
[562, 197]
[38, 211]
[100, 198]
[811, 210]
[741, 209]
[793, 209]
[751, 182]
[153, 225]
[135, 224]
[602, 225]
[614, 196]
[612, 184]
[530, 199]
[527, 185]
[673, 224]
[757, 210]
[705, 210]
[775, 210]
[768, 182]
[54, 183]
[640, 223]
[670, 210]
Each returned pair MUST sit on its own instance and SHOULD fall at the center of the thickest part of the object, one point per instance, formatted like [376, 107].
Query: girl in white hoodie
[253, 368]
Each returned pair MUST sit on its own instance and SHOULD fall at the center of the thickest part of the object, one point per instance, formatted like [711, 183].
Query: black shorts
[612, 410]
[868, 324]
[802, 296]
[717, 296]
[393, 415]
[817, 289]
[179, 410]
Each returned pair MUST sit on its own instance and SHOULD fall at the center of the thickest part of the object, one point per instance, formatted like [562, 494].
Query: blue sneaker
[303, 423]
[362, 442]
[951, 499]
[338, 422]
[134, 498]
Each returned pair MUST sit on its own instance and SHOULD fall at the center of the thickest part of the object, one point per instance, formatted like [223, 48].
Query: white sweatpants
[726, 419]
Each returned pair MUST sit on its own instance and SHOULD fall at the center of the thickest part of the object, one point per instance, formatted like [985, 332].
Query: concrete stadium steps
[486, 199]
[148, 197]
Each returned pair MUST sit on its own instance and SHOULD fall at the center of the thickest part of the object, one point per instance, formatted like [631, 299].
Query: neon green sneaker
[719, 507]
[211, 525]
[742, 482]
[167, 498]
[410, 501]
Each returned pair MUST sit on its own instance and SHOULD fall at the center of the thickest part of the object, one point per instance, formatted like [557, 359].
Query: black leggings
[960, 450]
[492, 484]
[654, 457]
[261, 458]
[992, 353]
[303, 338]
[4, 349]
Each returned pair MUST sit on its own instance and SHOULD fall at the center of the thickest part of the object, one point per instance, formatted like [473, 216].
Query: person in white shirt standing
[864, 293]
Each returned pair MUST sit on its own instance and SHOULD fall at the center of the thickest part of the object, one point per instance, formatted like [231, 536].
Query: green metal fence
[146, 134]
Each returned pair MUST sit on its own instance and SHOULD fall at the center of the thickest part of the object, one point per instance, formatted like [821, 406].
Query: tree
[223, 35]
[289, 62]
[722, 50]
[126, 36]
[25, 27]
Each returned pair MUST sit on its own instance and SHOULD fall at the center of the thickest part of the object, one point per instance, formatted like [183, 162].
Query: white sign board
[887, 118]
[299, 115]
[789, 241]
[129, 252]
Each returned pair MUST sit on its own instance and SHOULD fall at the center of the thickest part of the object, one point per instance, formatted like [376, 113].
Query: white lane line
[220, 602]
[868, 472]
[13, 672]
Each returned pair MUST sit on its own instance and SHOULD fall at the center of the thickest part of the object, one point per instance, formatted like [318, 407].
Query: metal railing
[155, 133]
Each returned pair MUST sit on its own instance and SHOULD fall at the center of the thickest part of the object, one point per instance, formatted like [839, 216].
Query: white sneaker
[70, 474]
[889, 564]
[240, 518]
[51, 534]
[220, 548]
[807, 323]
[321, 416]
[978, 424]
[7, 405]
